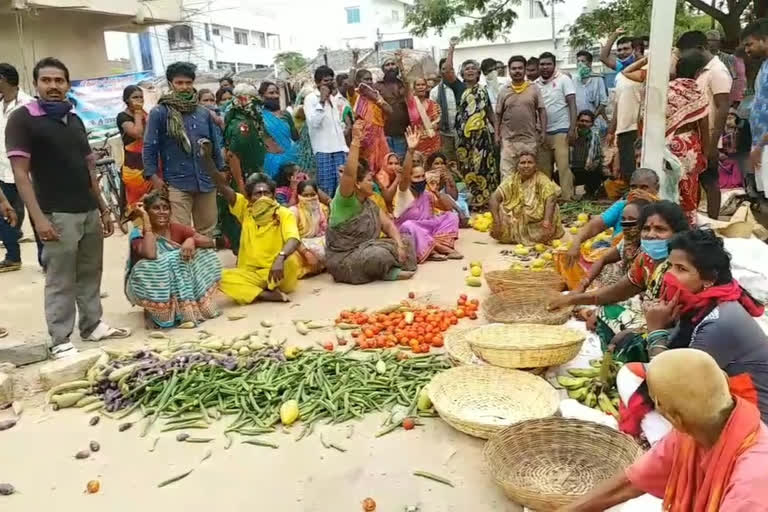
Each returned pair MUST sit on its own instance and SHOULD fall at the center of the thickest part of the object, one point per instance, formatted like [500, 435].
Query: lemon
[517, 267]
[289, 412]
[476, 271]
[583, 217]
[579, 223]
[522, 251]
[488, 215]
[473, 281]
[538, 263]
[556, 243]
[547, 256]
[574, 230]
[540, 247]
[475, 264]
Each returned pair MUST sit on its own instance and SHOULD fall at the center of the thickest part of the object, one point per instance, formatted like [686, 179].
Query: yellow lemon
[579, 223]
[556, 243]
[476, 271]
[574, 230]
[475, 264]
[540, 247]
[473, 281]
[547, 256]
[522, 251]
[538, 263]
[518, 267]
[583, 217]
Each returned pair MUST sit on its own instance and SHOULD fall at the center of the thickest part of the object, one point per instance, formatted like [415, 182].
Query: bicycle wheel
[108, 193]
[118, 192]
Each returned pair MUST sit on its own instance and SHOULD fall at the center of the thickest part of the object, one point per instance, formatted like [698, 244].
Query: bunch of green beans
[332, 386]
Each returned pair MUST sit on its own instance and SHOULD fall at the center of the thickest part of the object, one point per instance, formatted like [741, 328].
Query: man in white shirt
[716, 81]
[560, 101]
[491, 79]
[12, 99]
[325, 131]
[447, 95]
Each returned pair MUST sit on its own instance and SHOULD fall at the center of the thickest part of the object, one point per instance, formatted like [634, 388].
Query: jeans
[398, 146]
[74, 265]
[10, 235]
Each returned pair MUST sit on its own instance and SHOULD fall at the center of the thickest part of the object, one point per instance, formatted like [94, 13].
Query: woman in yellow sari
[268, 265]
[524, 206]
[312, 219]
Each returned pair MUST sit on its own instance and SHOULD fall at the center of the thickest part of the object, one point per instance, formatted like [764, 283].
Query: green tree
[487, 18]
[291, 62]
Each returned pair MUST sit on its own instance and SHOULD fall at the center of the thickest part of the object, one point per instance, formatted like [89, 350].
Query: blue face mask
[418, 187]
[656, 249]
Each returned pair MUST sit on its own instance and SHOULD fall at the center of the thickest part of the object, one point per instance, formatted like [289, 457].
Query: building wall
[165, 10]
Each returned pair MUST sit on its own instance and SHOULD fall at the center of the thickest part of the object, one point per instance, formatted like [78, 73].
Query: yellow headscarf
[264, 211]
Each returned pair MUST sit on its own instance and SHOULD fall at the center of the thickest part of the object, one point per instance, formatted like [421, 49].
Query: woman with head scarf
[373, 110]
[278, 124]
[171, 270]
[425, 115]
[312, 219]
[475, 126]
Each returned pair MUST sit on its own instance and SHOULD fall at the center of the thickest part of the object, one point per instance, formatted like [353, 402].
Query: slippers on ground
[105, 332]
[437, 257]
[455, 255]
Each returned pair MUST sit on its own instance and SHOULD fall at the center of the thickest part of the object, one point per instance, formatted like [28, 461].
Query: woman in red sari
[372, 109]
[688, 128]
[425, 115]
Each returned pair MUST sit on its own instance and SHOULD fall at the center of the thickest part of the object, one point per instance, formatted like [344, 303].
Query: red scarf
[690, 487]
[701, 303]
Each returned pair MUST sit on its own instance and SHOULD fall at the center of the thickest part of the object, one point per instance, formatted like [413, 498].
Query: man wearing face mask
[627, 51]
[591, 93]
[493, 82]
[173, 129]
[392, 90]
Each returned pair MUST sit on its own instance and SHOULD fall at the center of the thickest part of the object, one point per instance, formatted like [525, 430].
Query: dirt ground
[37, 455]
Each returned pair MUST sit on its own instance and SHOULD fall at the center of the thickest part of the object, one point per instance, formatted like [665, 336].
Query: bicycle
[111, 183]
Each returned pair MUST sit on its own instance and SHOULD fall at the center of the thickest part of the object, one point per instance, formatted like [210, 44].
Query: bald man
[714, 460]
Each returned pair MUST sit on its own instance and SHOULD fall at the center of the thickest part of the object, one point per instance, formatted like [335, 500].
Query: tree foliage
[290, 62]
[487, 18]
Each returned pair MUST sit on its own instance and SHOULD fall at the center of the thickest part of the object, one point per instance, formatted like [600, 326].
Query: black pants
[627, 161]
[592, 180]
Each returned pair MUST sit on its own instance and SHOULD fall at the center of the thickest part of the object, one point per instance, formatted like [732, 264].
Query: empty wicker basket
[482, 400]
[457, 347]
[503, 280]
[525, 345]
[547, 463]
[524, 305]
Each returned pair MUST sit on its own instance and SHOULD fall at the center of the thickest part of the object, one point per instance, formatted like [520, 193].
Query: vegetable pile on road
[190, 385]
[408, 324]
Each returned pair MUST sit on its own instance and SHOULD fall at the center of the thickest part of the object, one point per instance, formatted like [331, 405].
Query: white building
[219, 36]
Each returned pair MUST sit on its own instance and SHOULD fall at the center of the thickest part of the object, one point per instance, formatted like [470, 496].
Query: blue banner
[98, 100]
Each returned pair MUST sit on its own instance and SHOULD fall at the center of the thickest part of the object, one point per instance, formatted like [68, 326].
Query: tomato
[429, 337]
[369, 505]
[454, 320]
[437, 342]
[475, 302]
[411, 295]
[459, 313]
[473, 316]
[328, 345]
[355, 334]
[461, 302]
[408, 423]
[368, 333]
[424, 348]
[415, 349]
[463, 296]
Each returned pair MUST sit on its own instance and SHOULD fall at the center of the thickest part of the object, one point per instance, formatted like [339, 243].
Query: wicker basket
[457, 347]
[503, 280]
[525, 345]
[546, 463]
[482, 400]
[524, 305]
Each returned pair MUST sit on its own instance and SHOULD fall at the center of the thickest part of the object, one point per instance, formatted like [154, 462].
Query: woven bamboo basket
[546, 463]
[524, 305]
[503, 280]
[457, 347]
[525, 345]
[482, 400]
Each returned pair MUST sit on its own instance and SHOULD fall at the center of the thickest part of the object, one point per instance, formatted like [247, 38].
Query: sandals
[104, 332]
[436, 256]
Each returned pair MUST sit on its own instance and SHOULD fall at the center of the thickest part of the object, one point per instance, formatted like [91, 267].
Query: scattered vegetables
[92, 487]
[182, 436]
[408, 424]
[7, 489]
[369, 505]
[64, 400]
[175, 479]
[200, 440]
[124, 426]
[94, 421]
[18, 408]
[83, 454]
[434, 477]
[94, 446]
[256, 442]
[289, 412]
[7, 424]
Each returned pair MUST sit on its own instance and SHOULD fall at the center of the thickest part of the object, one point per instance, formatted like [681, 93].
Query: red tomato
[328, 345]
[424, 348]
[411, 295]
[463, 296]
[408, 423]
[475, 302]
[473, 316]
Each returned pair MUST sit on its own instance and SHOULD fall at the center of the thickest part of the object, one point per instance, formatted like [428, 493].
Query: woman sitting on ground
[524, 207]
[388, 177]
[440, 183]
[288, 180]
[267, 266]
[703, 307]
[355, 253]
[660, 221]
[434, 236]
[166, 273]
[312, 218]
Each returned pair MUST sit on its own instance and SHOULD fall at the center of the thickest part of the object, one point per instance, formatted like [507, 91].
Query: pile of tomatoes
[419, 328]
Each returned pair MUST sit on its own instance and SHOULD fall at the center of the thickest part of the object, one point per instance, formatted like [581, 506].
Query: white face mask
[491, 76]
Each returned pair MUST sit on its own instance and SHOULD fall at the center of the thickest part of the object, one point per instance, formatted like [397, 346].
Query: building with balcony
[73, 31]
[228, 36]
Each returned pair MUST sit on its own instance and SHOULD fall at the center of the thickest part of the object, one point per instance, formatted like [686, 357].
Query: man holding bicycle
[54, 169]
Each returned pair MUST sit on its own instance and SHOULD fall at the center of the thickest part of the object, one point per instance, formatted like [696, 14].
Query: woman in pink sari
[434, 236]
[425, 115]
[372, 109]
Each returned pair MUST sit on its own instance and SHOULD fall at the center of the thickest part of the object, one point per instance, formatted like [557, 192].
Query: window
[225, 66]
[180, 37]
[216, 31]
[259, 39]
[242, 66]
[241, 37]
[395, 15]
[537, 9]
[210, 65]
[207, 32]
[397, 45]
[273, 41]
[353, 15]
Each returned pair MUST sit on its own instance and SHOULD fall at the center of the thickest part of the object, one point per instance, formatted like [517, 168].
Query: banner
[98, 100]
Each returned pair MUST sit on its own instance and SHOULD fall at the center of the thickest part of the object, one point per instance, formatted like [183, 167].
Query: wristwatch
[282, 254]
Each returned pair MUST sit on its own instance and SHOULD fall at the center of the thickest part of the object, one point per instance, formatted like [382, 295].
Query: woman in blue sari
[282, 148]
[172, 271]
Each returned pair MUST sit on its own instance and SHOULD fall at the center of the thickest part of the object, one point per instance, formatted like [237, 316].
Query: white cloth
[555, 91]
[493, 85]
[22, 98]
[324, 123]
[450, 98]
